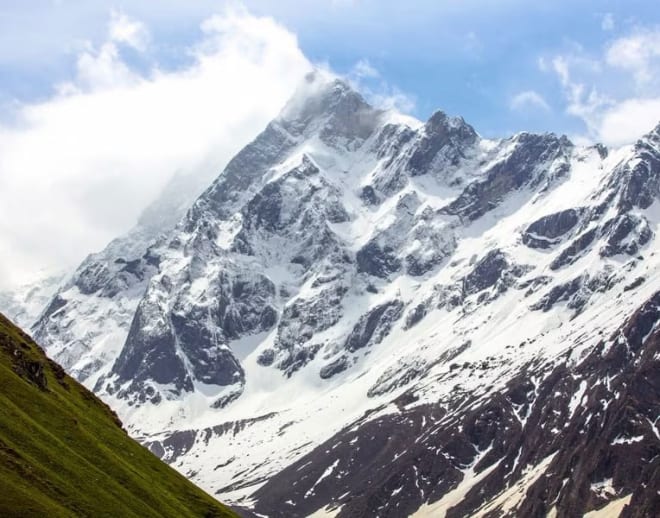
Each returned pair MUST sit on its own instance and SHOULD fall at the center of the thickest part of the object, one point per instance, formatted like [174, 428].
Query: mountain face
[63, 452]
[366, 315]
[84, 322]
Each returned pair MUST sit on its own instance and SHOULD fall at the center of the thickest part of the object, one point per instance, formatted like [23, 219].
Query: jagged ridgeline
[64, 453]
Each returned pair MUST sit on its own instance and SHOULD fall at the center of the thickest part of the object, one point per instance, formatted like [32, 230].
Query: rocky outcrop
[374, 325]
[625, 234]
[548, 230]
[575, 249]
[534, 159]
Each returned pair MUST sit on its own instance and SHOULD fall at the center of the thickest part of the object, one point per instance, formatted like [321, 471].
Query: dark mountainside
[64, 453]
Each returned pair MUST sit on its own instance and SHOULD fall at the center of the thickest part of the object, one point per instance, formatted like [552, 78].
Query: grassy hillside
[63, 452]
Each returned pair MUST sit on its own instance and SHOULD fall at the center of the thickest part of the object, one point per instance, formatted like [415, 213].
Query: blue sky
[468, 57]
[103, 101]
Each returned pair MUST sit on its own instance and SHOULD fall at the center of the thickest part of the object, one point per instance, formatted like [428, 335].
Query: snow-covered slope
[377, 317]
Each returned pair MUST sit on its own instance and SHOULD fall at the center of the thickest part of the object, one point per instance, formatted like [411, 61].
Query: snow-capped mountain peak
[354, 276]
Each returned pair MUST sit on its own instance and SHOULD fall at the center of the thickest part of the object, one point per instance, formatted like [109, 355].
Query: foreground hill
[63, 452]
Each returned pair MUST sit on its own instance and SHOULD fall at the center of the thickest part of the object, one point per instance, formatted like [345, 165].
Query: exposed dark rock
[415, 315]
[211, 362]
[527, 165]
[603, 152]
[374, 326]
[575, 250]
[398, 376]
[199, 330]
[494, 269]
[578, 291]
[263, 211]
[391, 141]
[391, 147]
[301, 320]
[449, 297]
[634, 284]
[533, 284]
[339, 365]
[55, 305]
[223, 401]
[445, 140]
[298, 358]
[378, 260]
[417, 266]
[638, 181]
[172, 447]
[150, 356]
[626, 234]
[486, 272]
[32, 371]
[368, 195]
[266, 358]
[92, 277]
[546, 231]
[559, 293]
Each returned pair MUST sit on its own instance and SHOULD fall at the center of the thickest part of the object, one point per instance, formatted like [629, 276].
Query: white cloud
[100, 69]
[527, 100]
[391, 98]
[615, 93]
[126, 30]
[363, 69]
[629, 118]
[638, 53]
[607, 22]
[77, 169]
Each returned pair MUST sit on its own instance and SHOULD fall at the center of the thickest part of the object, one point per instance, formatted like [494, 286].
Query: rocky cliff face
[375, 316]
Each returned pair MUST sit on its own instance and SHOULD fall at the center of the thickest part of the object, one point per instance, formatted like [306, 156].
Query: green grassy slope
[63, 452]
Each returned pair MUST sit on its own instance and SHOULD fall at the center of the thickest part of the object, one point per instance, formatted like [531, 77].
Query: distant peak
[321, 93]
[327, 105]
[440, 122]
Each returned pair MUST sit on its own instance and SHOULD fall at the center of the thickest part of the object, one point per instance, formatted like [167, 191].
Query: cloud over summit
[77, 168]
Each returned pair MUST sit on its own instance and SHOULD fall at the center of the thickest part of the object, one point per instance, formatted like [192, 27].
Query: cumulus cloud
[638, 53]
[529, 100]
[77, 169]
[98, 69]
[615, 93]
[627, 118]
[126, 30]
